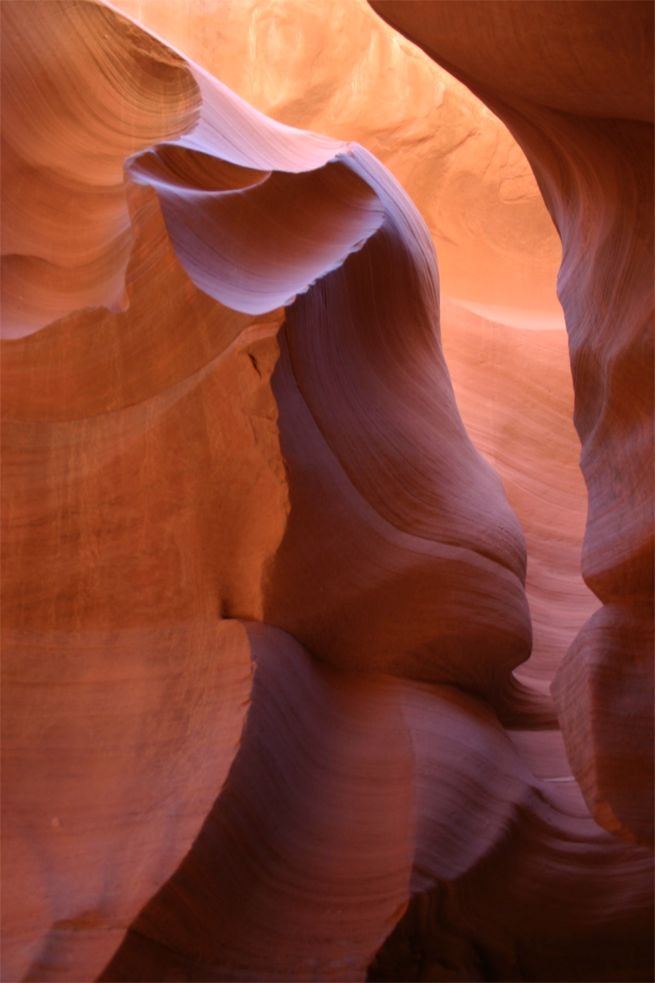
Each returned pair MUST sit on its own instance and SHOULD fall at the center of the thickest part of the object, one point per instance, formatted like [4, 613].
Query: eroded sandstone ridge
[588, 132]
[265, 618]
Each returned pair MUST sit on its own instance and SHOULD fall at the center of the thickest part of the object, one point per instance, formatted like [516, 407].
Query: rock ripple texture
[265, 611]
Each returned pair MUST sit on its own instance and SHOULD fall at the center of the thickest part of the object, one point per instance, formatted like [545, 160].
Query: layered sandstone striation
[267, 606]
[304, 63]
[588, 134]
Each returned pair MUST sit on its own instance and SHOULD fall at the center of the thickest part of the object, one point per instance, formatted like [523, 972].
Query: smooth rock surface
[588, 134]
[267, 602]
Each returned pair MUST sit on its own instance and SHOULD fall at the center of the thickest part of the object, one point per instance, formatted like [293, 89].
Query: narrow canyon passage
[502, 326]
[294, 523]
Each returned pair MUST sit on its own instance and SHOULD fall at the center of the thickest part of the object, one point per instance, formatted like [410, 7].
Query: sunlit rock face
[267, 493]
[338, 69]
[589, 136]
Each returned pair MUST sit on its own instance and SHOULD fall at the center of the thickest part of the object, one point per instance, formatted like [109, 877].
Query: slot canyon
[327, 490]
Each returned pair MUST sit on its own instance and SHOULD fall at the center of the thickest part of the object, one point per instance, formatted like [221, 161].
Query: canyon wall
[267, 699]
[574, 84]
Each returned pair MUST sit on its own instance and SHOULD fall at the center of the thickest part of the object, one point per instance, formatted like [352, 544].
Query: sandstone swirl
[589, 137]
[264, 598]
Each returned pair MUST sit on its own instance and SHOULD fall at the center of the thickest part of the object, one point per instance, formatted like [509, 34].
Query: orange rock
[589, 137]
[231, 440]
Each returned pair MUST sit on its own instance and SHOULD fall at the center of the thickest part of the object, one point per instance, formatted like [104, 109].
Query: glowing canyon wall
[293, 522]
[589, 136]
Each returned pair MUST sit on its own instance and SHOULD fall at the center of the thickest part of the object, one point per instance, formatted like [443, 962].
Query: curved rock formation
[589, 137]
[338, 69]
[231, 441]
[352, 791]
[305, 64]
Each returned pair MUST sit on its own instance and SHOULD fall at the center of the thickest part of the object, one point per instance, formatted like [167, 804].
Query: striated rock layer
[338, 69]
[589, 137]
[264, 598]
[503, 332]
